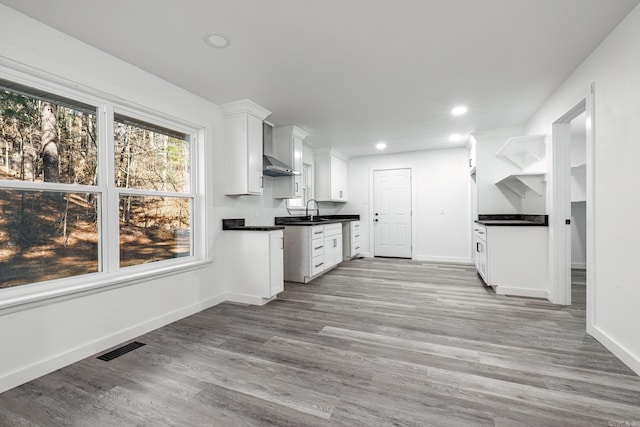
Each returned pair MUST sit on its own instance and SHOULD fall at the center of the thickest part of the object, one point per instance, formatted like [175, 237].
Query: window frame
[109, 275]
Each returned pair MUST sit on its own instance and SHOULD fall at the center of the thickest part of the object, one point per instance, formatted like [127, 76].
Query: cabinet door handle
[469, 162]
[341, 194]
[335, 243]
[319, 247]
[296, 187]
[262, 182]
[357, 235]
[477, 246]
[318, 265]
[282, 243]
[318, 232]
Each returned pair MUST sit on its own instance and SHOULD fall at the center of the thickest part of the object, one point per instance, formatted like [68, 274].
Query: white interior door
[392, 213]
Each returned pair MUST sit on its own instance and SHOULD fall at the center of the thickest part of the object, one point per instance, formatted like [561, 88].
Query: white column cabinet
[243, 147]
[287, 147]
[331, 176]
[256, 267]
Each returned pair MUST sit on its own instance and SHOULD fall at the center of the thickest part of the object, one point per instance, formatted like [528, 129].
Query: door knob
[376, 213]
[376, 220]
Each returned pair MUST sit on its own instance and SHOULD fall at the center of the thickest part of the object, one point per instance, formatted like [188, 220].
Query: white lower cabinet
[332, 244]
[351, 239]
[310, 251]
[480, 250]
[513, 259]
[256, 270]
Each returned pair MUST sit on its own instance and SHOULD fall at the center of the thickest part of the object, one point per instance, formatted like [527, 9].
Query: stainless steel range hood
[270, 165]
[274, 167]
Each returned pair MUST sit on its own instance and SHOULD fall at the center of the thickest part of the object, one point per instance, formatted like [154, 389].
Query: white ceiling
[354, 72]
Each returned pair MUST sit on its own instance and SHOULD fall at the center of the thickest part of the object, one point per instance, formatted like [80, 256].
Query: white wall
[45, 338]
[614, 67]
[441, 179]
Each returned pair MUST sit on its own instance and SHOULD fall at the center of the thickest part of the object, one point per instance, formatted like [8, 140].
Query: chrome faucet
[306, 212]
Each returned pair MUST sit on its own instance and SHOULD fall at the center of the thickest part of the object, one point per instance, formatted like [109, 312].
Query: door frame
[559, 231]
[411, 168]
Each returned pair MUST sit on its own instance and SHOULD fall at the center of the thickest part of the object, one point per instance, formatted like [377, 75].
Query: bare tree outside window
[44, 234]
[52, 199]
[154, 159]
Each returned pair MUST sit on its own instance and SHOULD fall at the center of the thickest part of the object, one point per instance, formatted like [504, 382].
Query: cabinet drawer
[317, 265]
[317, 247]
[355, 249]
[317, 231]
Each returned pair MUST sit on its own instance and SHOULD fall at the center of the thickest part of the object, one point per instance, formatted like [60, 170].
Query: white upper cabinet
[287, 147]
[243, 147]
[331, 175]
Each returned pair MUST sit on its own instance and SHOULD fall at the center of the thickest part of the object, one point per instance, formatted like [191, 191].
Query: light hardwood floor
[375, 342]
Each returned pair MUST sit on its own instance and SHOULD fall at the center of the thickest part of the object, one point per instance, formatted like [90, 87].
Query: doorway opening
[572, 216]
[392, 218]
[578, 200]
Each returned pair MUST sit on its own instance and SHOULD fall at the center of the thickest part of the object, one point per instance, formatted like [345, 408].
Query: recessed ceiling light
[459, 110]
[381, 145]
[455, 137]
[217, 40]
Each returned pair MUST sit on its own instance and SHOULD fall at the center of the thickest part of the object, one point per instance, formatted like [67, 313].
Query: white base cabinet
[351, 239]
[513, 259]
[480, 250]
[256, 265]
[310, 251]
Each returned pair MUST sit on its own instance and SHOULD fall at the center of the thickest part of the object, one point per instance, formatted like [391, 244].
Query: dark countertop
[514, 220]
[238, 224]
[317, 220]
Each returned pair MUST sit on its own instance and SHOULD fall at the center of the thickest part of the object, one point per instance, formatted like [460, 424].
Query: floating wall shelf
[523, 151]
[520, 183]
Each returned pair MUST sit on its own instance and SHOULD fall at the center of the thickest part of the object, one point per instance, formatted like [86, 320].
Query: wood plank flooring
[375, 342]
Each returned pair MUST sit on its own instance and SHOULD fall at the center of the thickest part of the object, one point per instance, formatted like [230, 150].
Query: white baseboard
[247, 299]
[522, 292]
[632, 361]
[446, 260]
[31, 372]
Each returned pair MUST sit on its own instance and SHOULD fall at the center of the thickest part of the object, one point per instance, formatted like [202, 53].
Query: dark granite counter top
[317, 220]
[514, 220]
[238, 224]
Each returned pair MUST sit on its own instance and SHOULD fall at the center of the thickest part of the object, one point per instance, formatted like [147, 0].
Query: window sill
[24, 297]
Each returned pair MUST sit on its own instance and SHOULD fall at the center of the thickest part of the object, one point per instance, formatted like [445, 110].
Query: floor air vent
[120, 351]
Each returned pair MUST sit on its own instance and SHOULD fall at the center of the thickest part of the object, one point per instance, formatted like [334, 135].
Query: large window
[76, 200]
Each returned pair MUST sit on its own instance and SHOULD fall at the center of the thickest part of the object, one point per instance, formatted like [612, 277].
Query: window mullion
[109, 237]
